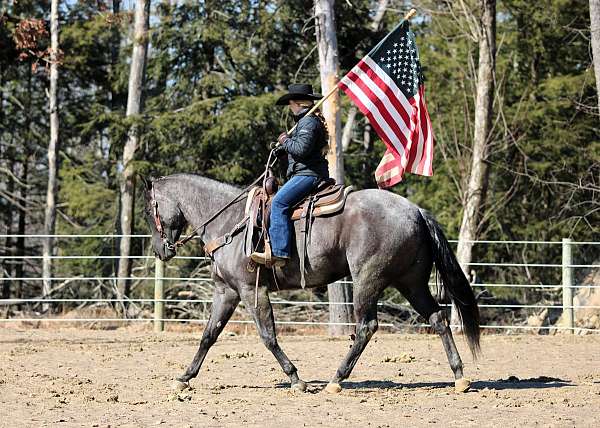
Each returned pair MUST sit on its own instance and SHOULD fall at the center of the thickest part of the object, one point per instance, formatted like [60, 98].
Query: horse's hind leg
[262, 313]
[365, 313]
[225, 300]
[421, 299]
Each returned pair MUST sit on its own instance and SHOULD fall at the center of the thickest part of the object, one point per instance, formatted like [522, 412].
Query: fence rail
[159, 302]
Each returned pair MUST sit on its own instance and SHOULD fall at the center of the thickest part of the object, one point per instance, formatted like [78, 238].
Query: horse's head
[164, 217]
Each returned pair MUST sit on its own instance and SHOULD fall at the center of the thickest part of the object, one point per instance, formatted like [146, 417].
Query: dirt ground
[95, 378]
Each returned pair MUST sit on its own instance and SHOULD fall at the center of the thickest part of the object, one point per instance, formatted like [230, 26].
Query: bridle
[172, 246]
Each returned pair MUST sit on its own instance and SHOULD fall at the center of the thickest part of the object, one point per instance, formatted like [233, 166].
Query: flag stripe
[416, 154]
[387, 86]
[427, 166]
[369, 109]
[389, 82]
[388, 92]
[389, 172]
[364, 87]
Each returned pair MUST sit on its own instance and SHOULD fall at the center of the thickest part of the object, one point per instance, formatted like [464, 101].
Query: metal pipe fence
[567, 288]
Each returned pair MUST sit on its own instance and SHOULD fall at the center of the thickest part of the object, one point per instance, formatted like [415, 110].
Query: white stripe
[388, 81]
[388, 157]
[366, 101]
[408, 107]
[386, 100]
[388, 174]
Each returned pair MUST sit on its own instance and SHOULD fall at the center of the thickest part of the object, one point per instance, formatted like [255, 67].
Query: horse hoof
[462, 385]
[299, 386]
[333, 388]
[179, 386]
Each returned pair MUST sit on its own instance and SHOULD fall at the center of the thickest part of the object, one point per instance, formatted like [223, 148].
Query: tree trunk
[379, 13]
[340, 295]
[134, 107]
[349, 126]
[6, 267]
[5, 153]
[367, 142]
[473, 196]
[115, 44]
[595, 32]
[50, 215]
[20, 243]
[116, 101]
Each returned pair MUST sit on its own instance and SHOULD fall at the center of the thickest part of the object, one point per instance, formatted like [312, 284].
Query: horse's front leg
[262, 313]
[225, 300]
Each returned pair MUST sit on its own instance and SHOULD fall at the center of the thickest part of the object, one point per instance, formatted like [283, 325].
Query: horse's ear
[147, 182]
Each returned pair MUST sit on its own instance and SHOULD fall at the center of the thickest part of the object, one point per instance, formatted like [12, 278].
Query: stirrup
[259, 258]
[268, 253]
[267, 259]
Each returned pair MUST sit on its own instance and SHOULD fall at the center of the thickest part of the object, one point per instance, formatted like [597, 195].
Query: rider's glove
[279, 150]
[281, 139]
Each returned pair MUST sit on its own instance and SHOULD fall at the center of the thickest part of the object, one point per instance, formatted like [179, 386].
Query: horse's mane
[205, 182]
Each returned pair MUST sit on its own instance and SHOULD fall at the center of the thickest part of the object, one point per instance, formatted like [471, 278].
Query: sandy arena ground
[91, 378]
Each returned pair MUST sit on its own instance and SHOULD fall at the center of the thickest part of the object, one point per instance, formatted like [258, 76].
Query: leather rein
[172, 246]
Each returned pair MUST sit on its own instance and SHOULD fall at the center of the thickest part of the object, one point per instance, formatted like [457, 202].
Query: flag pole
[408, 16]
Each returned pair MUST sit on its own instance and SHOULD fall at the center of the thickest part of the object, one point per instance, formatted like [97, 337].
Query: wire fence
[568, 307]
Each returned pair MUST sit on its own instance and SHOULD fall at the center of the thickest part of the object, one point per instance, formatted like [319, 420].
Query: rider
[305, 148]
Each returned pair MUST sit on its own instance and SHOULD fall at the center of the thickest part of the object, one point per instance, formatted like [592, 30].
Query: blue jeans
[281, 228]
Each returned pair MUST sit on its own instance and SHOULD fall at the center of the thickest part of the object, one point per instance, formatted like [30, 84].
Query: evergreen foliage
[214, 71]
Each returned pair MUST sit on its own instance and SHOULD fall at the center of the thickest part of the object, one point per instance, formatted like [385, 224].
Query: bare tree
[50, 215]
[595, 33]
[484, 27]
[340, 295]
[134, 108]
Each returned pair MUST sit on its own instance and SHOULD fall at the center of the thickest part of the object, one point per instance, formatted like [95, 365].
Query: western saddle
[328, 199]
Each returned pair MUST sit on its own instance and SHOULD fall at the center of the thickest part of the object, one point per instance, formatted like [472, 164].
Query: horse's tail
[454, 282]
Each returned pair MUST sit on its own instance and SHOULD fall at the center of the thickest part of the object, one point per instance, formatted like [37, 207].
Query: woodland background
[213, 72]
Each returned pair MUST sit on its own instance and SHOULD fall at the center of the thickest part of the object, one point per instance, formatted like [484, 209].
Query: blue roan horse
[380, 239]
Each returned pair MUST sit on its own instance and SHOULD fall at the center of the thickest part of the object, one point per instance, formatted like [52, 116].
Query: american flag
[387, 86]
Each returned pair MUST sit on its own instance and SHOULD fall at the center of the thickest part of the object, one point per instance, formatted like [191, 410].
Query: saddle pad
[332, 204]
[329, 201]
[250, 198]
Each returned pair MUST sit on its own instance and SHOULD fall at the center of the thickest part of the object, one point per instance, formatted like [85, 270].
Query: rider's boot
[267, 258]
[263, 259]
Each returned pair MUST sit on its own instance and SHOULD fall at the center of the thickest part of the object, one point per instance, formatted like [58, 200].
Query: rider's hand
[281, 139]
[279, 150]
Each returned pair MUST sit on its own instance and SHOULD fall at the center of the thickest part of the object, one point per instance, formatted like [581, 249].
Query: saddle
[328, 199]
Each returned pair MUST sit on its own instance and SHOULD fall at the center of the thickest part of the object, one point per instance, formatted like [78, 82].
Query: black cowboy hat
[298, 91]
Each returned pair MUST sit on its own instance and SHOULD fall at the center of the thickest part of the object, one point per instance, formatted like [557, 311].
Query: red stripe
[414, 149]
[418, 161]
[424, 131]
[414, 121]
[381, 107]
[427, 133]
[388, 91]
[417, 121]
[396, 178]
[369, 115]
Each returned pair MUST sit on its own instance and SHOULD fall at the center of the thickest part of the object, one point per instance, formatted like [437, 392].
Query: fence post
[567, 284]
[159, 295]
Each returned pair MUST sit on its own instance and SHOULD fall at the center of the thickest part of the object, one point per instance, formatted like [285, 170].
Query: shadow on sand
[512, 382]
